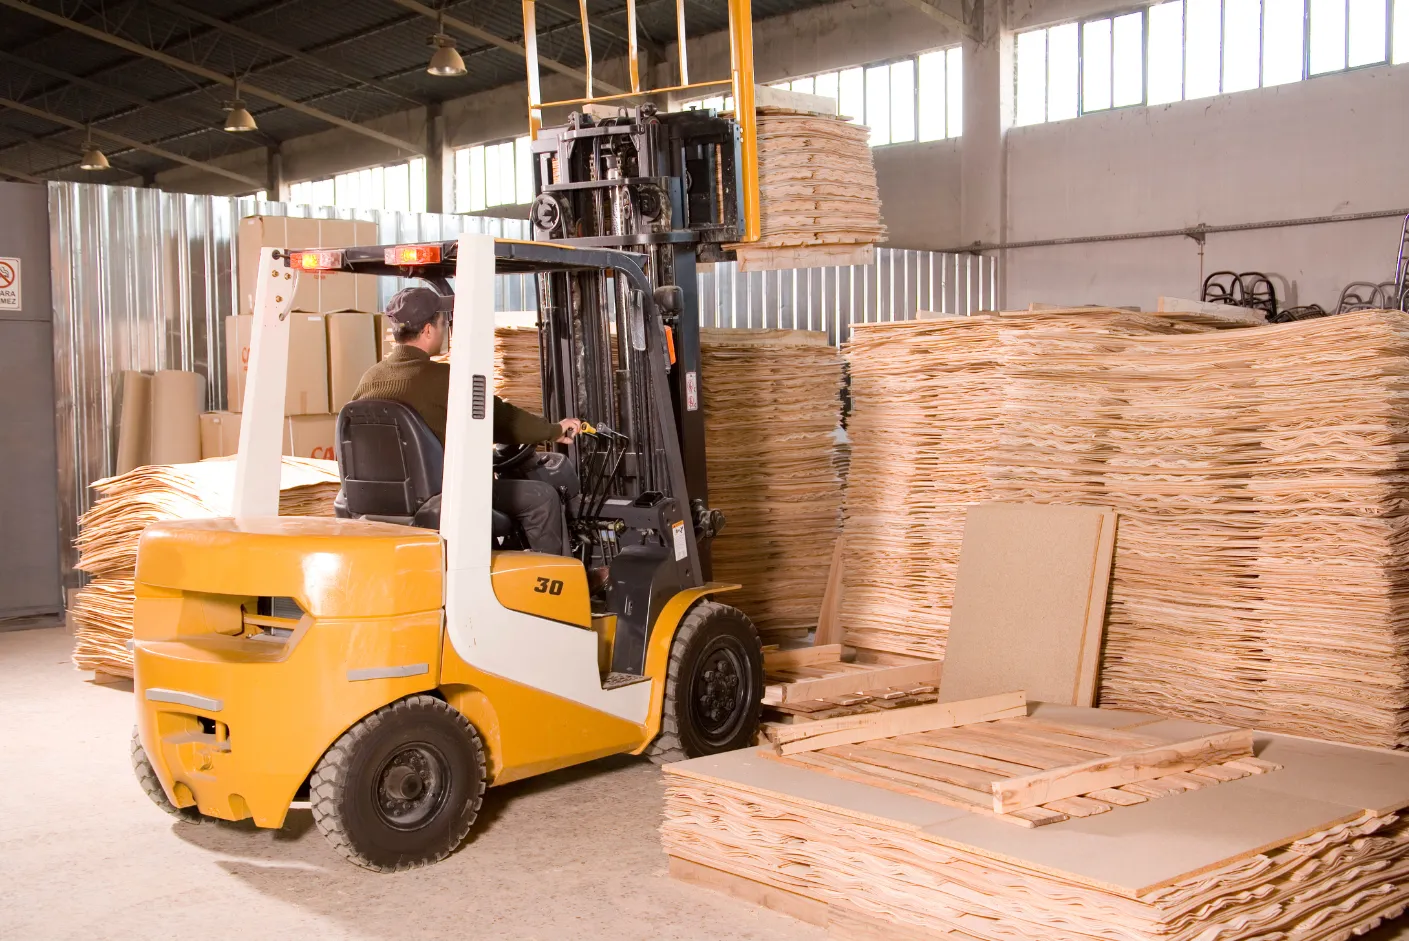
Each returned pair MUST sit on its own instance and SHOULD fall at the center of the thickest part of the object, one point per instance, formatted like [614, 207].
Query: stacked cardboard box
[159, 418]
[333, 337]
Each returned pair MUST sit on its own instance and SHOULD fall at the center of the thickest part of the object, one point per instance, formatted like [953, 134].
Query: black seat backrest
[389, 460]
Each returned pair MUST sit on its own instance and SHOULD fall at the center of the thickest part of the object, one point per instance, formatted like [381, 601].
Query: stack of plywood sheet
[1156, 429]
[1332, 400]
[1306, 841]
[927, 411]
[1260, 477]
[771, 400]
[517, 370]
[818, 199]
[110, 531]
[926, 397]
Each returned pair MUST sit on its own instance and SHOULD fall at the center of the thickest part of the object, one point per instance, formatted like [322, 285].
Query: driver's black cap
[416, 307]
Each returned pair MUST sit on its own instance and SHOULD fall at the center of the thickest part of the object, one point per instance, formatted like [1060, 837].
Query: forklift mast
[666, 186]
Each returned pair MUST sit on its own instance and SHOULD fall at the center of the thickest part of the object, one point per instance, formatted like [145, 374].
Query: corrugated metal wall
[143, 280]
[895, 286]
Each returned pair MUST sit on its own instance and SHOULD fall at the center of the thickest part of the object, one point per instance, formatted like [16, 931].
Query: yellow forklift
[389, 664]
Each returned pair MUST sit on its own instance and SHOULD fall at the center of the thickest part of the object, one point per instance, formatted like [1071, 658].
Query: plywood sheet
[1029, 602]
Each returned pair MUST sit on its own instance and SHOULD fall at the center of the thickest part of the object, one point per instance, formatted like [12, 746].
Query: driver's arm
[514, 425]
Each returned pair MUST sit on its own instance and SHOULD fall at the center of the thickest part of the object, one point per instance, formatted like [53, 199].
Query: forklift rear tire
[147, 777]
[713, 685]
[402, 787]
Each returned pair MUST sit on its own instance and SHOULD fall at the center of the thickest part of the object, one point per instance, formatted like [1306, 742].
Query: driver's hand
[570, 426]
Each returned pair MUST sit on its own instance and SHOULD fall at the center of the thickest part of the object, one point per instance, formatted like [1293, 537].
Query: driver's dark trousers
[535, 506]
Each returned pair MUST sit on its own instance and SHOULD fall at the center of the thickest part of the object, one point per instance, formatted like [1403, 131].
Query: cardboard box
[384, 343]
[220, 434]
[310, 436]
[306, 391]
[316, 293]
[352, 350]
[178, 398]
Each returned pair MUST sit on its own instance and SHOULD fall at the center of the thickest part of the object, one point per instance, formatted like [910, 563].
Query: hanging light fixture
[238, 120]
[93, 158]
[445, 61]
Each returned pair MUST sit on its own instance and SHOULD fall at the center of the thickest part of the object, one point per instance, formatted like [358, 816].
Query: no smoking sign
[9, 284]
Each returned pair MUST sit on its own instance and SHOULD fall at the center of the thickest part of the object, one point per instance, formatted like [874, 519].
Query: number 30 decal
[546, 587]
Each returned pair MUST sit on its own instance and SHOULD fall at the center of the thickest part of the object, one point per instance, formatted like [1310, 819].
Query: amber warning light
[413, 255]
[316, 261]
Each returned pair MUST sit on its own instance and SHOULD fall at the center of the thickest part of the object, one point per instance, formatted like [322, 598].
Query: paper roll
[134, 423]
[177, 402]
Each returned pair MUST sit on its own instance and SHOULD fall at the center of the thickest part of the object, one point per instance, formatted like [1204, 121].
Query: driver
[408, 374]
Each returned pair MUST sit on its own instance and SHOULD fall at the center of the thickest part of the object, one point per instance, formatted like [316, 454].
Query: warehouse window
[499, 174]
[915, 99]
[400, 187]
[1181, 50]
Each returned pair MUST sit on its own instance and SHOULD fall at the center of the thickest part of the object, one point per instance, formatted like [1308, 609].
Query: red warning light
[327, 260]
[408, 255]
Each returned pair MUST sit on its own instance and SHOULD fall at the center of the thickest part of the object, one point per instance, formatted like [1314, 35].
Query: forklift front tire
[713, 686]
[147, 778]
[402, 787]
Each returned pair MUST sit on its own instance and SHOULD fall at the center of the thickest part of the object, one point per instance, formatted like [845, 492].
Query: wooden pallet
[828, 674]
[1020, 770]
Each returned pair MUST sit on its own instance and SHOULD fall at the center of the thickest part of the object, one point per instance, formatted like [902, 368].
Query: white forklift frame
[546, 655]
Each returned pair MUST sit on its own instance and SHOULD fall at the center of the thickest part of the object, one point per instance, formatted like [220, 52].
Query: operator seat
[391, 465]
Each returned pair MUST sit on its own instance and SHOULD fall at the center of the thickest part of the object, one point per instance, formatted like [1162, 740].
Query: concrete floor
[84, 854]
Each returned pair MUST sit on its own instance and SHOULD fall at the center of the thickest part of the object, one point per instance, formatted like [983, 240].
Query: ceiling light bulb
[93, 158]
[237, 118]
[445, 61]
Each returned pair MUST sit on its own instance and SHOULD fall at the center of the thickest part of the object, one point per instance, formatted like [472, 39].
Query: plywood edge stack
[819, 203]
[109, 533]
[1238, 849]
[868, 879]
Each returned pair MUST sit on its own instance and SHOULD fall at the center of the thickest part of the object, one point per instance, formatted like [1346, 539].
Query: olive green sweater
[409, 375]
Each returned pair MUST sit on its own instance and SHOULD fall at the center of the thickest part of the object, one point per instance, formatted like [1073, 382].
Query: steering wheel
[511, 458]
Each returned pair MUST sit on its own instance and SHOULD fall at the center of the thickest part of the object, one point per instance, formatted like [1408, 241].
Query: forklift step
[618, 680]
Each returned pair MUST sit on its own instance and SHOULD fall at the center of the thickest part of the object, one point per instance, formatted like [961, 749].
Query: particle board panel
[1380, 781]
[1102, 718]
[1029, 602]
[1150, 845]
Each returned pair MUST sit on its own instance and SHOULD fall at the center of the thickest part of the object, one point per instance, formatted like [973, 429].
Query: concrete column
[275, 185]
[438, 162]
[988, 83]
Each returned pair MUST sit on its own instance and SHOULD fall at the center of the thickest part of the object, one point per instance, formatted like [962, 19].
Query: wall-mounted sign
[9, 284]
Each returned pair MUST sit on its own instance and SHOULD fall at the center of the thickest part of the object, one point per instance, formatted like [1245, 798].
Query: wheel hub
[412, 786]
[720, 690]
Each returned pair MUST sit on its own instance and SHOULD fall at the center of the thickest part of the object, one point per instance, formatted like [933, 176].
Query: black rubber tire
[348, 784]
[147, 778]
[708, 629]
